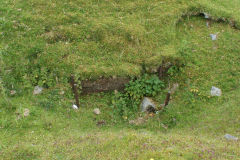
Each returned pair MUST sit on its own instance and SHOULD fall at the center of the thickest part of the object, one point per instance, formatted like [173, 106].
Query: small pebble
[74, 106]
[13, 92]
[213, 36]
[97, 111]
[26, 112]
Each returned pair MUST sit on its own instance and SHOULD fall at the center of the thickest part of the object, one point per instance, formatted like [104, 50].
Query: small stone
[74, 106]
[147, 104]
[37, 90]
[61, 92]
[216, 91]
[13, 92]
[26, 112]
[230, 137]
[213, 36]
[206, 15]
[97, 111]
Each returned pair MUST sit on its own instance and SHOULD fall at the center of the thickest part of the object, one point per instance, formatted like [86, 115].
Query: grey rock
[97, 111]
[216, 91]
[230, 137]
[207, 16]
[213, 37]
[37, 90]
[147, 104]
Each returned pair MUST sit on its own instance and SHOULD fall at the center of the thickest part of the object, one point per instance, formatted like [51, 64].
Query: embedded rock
[230, 137]
[216, 91]
[37, 90]
[97, 111]
[148, 105]
[74, 106]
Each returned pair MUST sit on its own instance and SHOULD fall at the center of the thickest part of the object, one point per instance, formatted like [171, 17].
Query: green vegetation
[43, 42]
[51, 40]
[127, 104]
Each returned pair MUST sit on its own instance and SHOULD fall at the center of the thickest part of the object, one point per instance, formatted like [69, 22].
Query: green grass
[94, 38]
[191, 127]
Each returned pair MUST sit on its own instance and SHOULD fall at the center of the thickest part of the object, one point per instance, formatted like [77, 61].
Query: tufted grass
[98, 38]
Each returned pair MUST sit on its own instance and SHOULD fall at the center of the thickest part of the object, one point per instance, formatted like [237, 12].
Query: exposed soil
[162, 69]
[104, 85]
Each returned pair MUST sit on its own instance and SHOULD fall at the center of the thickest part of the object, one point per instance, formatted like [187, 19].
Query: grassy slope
[55, 131]
[96, 38]
[60, 133]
